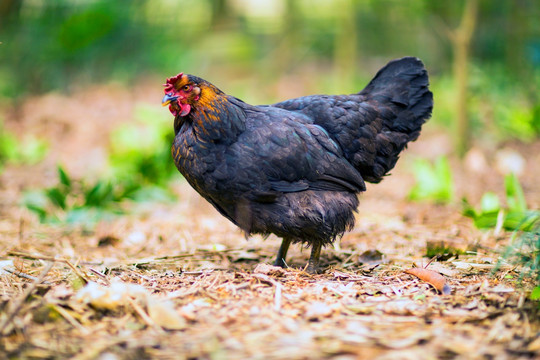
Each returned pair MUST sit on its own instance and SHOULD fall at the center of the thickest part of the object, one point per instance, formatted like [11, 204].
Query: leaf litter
[179, 281]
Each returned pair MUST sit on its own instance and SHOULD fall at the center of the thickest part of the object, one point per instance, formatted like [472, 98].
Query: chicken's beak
[167, 99]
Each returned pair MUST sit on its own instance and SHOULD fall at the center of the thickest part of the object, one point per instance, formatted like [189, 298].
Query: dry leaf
[434, 278]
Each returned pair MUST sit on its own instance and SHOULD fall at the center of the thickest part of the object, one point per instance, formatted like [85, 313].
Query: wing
[282, 153]
[356, 124]
[374, 126]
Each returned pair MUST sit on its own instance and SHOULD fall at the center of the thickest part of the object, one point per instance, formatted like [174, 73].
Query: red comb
[169, 84]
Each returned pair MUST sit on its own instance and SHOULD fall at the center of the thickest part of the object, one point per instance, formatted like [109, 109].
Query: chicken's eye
[187, 87]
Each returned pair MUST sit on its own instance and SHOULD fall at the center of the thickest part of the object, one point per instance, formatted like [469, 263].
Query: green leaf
[57, 197]
[490, 203]
[64, 178]
[518, 220]
[99, 195]
[40, 212]
[535, 294]
[468, 209]
[486, 220]
[514, 194]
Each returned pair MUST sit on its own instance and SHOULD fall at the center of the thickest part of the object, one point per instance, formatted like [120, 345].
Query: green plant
[29, 150]
[524, 250]
[515, 216]
[433, 181]
[77, 202]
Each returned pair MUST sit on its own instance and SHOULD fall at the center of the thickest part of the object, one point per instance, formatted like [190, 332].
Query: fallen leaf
[432, 277]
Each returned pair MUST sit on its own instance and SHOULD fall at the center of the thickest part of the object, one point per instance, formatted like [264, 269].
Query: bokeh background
[80, 83]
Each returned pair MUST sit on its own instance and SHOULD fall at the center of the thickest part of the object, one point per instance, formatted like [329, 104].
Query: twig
[349, 257]
[19, 303]
[20, 274]
[430, 261]
[101, 275]
[70, 319]
[53, 259]
[47, 258]
[77, 271]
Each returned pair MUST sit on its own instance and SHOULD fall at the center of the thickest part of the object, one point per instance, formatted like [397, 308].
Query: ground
[207, 292]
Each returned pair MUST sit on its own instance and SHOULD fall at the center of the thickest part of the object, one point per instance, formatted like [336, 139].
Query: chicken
[295, 168]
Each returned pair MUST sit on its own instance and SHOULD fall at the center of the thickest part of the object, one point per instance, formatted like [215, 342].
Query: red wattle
[173, 110]
[186, 108]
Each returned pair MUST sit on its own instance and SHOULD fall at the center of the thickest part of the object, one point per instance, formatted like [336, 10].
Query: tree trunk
[461, 41]
[345, 47]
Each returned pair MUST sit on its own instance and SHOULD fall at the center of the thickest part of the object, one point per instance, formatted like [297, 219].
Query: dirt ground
[178, 281]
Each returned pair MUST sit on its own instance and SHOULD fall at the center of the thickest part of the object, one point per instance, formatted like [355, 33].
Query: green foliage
[433, 181]
[503, 107]
[525, 251]
[141, 169]
[30, 150]
[76, 202]
[515, 216]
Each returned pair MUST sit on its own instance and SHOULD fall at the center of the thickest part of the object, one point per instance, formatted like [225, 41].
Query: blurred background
[80, 85]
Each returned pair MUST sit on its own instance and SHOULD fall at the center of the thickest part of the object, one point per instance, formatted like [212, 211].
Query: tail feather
[400, 93]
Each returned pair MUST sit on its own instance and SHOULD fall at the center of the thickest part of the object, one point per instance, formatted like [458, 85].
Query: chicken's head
[181, 93]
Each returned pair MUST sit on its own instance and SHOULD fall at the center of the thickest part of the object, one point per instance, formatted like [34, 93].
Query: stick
[20, 274]
[77, 272]
[70, 319]
[101, 275]
[19, 303]
[46, 258]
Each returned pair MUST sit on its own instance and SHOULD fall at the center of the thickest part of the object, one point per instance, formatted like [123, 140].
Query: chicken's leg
[282, 253]
[313, 264]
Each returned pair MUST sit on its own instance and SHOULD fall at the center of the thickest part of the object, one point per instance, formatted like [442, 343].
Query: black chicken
[295, 168]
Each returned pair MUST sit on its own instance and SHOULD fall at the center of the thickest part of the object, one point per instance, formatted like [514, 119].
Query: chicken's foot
[282, 253]
[313, 263]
